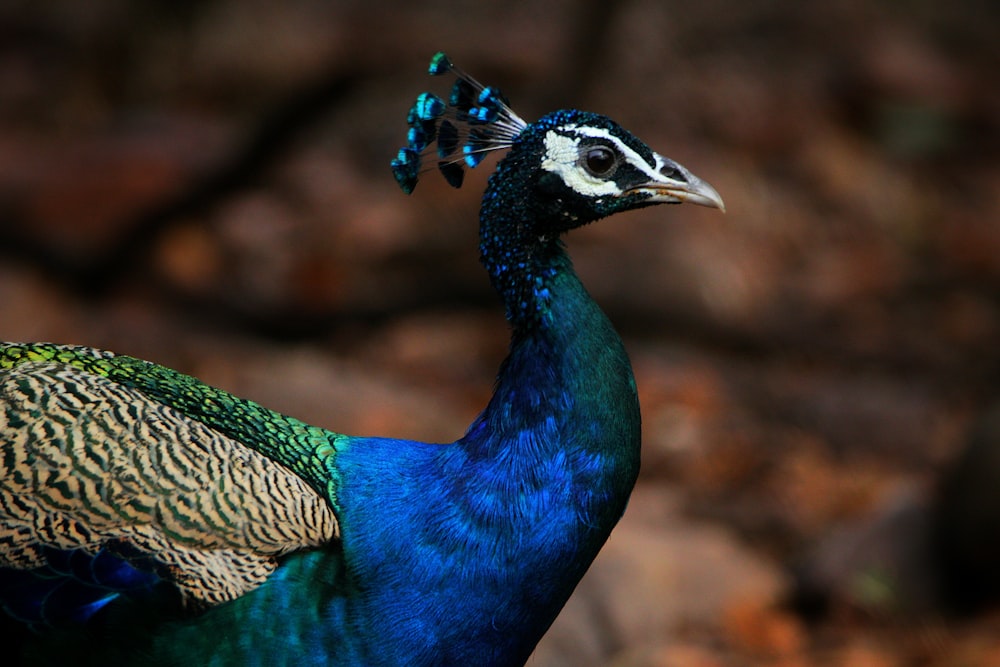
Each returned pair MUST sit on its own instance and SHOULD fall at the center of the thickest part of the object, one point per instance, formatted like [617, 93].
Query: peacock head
[571, 167]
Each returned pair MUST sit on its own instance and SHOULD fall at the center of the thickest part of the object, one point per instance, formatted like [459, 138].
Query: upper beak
[674, 184]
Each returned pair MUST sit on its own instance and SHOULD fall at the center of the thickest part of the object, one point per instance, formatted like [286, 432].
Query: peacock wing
[108, 457]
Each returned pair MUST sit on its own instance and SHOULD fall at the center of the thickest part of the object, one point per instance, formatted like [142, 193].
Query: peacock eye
[599, 160]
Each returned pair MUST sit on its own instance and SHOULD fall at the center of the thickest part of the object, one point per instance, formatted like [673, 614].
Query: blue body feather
[434, 554]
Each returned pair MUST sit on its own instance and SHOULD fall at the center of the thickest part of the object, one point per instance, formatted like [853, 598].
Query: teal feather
[148, 518]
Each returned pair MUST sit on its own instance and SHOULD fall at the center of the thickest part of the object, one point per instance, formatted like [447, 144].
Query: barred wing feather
[88, 463]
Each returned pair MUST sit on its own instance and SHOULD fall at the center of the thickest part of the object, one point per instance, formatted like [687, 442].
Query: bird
[149, 518]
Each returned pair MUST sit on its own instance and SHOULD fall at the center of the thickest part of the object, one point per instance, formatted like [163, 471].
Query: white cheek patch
[562, 157]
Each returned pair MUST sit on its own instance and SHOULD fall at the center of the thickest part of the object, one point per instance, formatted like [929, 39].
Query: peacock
[148, 518]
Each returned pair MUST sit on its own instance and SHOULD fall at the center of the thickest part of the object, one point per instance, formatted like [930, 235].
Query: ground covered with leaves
[206, 185]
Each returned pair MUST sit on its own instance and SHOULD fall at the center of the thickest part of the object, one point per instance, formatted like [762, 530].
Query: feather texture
[147, 518]
[91, 463]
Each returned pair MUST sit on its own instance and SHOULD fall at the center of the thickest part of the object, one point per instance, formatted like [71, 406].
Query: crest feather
[475, 120]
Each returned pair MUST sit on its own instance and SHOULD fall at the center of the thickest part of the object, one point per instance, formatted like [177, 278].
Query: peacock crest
[458, 133]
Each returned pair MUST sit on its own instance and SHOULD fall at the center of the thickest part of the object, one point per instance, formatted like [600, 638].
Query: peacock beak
[674, 184]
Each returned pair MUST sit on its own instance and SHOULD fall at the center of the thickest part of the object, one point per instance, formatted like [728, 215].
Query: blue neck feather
[496, 530]
[523, 502]
[544, 473]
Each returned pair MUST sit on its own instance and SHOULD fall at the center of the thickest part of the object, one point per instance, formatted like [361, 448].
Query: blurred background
[206, 185]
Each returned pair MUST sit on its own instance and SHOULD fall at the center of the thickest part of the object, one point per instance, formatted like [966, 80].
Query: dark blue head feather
[475, 120]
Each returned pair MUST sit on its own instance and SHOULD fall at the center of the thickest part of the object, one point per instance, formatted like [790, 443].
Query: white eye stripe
[630, 155]
[562, 157]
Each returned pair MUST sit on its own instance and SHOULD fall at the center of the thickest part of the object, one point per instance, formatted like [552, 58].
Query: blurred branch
[273, 137]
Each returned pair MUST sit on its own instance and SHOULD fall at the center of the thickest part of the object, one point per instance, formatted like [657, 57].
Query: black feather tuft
[475, 120]
[405, 168]
[440, 64]
[453, 173]
[447, 140]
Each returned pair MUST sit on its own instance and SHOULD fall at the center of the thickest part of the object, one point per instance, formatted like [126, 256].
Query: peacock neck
[545, 471]
[567, 368]
[522, 270]
[521, 256]
[567, 378]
